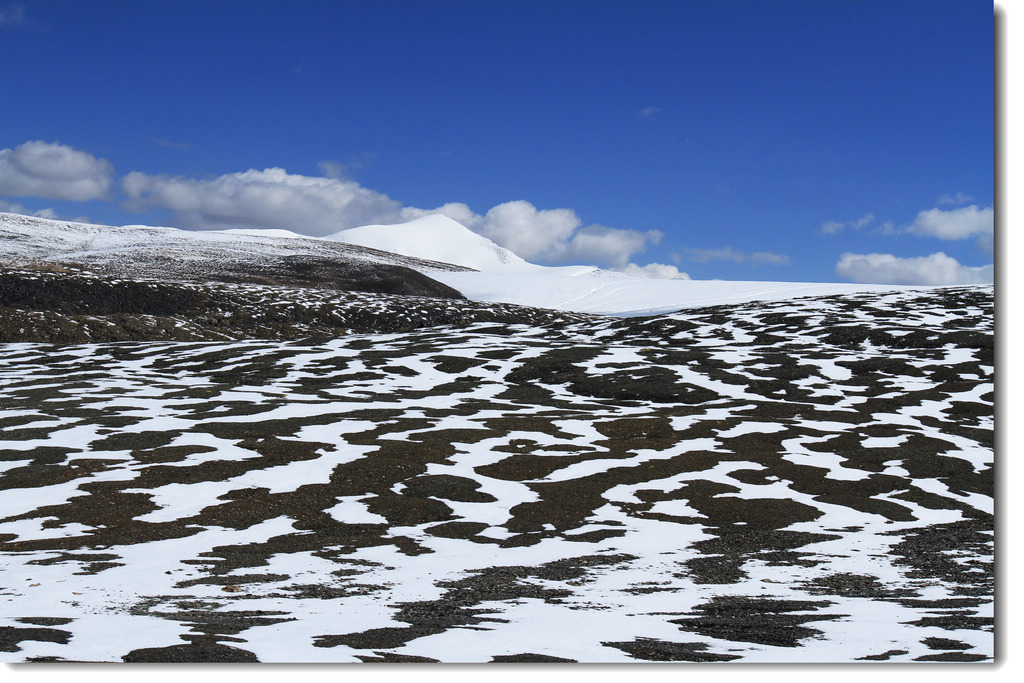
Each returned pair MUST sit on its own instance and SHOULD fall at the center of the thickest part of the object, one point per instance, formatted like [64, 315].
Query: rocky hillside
[58, 305]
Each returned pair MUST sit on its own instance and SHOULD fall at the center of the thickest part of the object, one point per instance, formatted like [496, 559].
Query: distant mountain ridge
[430, 256]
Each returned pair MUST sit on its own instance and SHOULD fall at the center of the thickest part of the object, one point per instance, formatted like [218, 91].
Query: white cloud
[956, 199]
[331, 169]
[658, 271]
[311, 205]
[946, 224]
[528, 232]
[936, 269]
[531, 233]
[15, 207]
[955, 224]
[547, 235]
[457, 211]
[864, 221]
[987, 244]
[769, 258]
[53, 171]
[650, 111]
[730, 254]
[835, 227]
[274, 198]
[18, 207]
[271, 198]
[336, 169]
[603, 245]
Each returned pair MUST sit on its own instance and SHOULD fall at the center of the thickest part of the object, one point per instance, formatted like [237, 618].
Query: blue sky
[735, 139]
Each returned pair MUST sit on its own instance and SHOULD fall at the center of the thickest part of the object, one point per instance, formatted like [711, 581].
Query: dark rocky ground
[73, 307]
[743, 483]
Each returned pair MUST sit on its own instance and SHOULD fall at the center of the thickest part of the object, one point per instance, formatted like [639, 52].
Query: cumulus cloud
[658, 271]
[53, 171]
[531, 233]
[730, 254]
[605, 245]
[535, 235]
[936, 269]
[987, 244]
[650, 111]
[311, 205]
[457, 211]
[272, 198]
[547, 235]
[954, 224]
[946, 224]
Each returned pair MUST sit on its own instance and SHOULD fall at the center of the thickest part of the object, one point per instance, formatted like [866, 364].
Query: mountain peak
[435, 237]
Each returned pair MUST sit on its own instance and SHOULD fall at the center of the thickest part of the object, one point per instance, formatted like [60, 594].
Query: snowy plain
[783, 479]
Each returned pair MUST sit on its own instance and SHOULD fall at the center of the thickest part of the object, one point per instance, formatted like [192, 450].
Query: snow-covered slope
[437, 238]
[504, 277]
[30, 238]
[592, 290]
[435, 246]
[262, 257]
